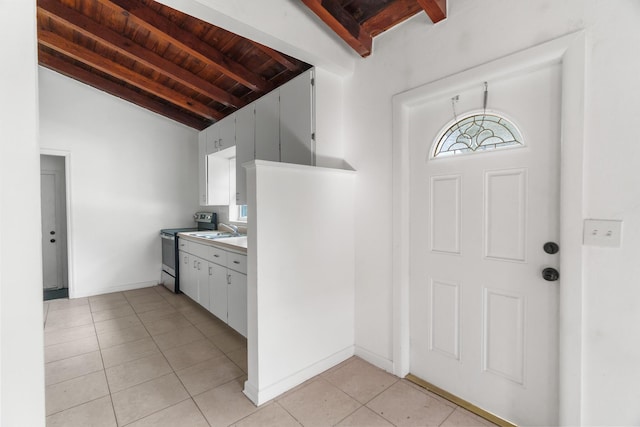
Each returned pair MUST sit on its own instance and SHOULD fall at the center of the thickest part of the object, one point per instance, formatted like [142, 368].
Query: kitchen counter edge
[220, 243]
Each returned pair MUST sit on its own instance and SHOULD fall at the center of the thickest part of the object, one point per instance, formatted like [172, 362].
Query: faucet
[231, 227]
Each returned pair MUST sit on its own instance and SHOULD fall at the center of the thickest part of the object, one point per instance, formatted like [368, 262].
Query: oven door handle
[167, 237]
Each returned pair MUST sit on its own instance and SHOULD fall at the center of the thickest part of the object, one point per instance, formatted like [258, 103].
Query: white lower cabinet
[186, 283]
[200, 269]
[216, 279]
[218, 290]
[237, 301]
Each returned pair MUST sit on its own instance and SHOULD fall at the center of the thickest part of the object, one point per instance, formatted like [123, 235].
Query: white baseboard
[260, 396]
[374, 359]
[110, 289]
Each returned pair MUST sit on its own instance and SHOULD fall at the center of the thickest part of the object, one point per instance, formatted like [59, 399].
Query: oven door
[169, 254]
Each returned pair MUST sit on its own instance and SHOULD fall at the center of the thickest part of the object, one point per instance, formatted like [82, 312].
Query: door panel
[51, 271]
[483, 322]
[505, 223]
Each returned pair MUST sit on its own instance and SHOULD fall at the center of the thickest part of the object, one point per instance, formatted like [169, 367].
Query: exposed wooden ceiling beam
[340, 21]
[87, 77]
[396, 12]
[124, 46]
[278, 57]
[86, 56]
[436, 9]
[166, 30]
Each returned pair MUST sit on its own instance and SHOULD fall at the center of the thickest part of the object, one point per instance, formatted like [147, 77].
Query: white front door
[51, 261]
[483, 321]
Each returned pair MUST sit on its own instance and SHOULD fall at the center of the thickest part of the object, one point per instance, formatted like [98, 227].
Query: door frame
[570, 52]
[67, 183]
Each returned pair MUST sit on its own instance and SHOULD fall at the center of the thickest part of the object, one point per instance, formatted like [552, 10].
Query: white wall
[300, 274]
[475, 32]
[611, 292]
[132, 172]
[21, 350]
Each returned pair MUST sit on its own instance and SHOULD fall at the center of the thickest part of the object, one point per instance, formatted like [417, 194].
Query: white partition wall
[300, 274]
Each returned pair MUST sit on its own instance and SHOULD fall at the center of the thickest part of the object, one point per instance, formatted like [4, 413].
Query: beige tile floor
[149, 357]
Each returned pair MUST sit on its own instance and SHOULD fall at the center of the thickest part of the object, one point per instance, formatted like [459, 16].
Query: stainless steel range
[169, 237]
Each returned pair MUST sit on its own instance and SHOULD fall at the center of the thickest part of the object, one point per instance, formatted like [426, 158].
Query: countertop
[236, 244]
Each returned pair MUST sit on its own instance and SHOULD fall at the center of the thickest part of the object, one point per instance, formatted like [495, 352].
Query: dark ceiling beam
[75, 72]
[278, 57]
[436, 9]
[86, 26]
[340, 21]
[164, 29]
[396, 12]
[120, 72]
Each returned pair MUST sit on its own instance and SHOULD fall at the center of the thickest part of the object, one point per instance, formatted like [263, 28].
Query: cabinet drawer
[237, 262]
[183, 245]
[217, 256]
[199, 250]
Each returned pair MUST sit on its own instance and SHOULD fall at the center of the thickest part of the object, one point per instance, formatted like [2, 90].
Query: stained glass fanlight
[478, 132]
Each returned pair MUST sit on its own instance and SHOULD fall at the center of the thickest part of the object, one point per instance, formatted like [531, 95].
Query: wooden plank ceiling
[357, 22]
[158, 58]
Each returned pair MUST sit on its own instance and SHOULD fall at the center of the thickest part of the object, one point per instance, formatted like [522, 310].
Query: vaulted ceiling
[158, 58]
[187, 69]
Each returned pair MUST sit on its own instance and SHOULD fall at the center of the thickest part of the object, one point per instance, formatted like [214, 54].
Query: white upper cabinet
[268, 127]
[221, 134]
[245, 148]
[227, 132]
[296, 120]
[217, 180]
[278, 127]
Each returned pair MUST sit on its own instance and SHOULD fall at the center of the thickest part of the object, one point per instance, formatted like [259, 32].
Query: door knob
[52, 240]
[551, 248]
[550, 274]
[52, 232]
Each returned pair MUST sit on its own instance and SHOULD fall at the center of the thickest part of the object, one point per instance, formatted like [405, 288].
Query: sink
[212, 235]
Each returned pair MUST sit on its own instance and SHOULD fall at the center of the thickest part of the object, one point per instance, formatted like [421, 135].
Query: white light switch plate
[603, 232]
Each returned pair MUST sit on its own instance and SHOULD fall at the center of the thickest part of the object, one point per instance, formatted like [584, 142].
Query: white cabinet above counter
[221, 134]
[276, 127]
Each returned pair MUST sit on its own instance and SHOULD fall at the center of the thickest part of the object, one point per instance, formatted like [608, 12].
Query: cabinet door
[227, 132]
[268, 127]
[186, 284]
[202, 282]
[218, 291]
[245, 148]
[217, 180]
[212, 133]
[202, 168]
[296, 145]
[237, 301]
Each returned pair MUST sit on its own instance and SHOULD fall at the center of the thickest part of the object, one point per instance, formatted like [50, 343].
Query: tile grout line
[100, 348]
[206, 391]
[180, 379]
[163, 356]
[104, 370]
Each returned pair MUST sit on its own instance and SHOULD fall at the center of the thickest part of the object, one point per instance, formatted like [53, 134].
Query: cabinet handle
[236, 262]
[198, 265]
[228, 279]
[210, 273]
[186, 260]
[220, 142]
[217, 256]
[194, 263]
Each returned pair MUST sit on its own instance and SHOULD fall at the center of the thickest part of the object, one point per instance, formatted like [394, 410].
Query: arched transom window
[475, 133]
